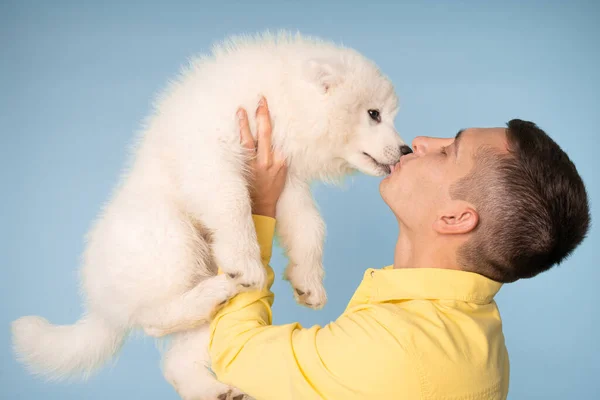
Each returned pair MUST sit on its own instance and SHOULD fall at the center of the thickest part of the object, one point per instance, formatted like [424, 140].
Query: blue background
[77, 78]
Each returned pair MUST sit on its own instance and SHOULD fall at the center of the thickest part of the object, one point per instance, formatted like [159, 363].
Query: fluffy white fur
[183, 206]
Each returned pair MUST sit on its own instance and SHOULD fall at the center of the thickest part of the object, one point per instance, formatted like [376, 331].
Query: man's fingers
[245, 135]
[263, 122]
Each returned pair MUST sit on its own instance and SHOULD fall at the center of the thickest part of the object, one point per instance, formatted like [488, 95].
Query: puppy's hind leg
[187, 310]
[185, 367]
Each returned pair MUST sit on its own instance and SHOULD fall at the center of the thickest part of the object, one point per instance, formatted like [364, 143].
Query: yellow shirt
[406, 334]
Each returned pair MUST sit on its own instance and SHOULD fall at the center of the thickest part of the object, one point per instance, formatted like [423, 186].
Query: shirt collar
[429, 283]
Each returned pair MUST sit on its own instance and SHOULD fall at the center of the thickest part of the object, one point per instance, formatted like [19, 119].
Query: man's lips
[400, 163]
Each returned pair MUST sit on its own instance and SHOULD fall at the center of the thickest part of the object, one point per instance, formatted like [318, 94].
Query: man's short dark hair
[532, 204]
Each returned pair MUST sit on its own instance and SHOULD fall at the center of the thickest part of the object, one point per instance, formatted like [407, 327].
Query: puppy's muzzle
[404, 150]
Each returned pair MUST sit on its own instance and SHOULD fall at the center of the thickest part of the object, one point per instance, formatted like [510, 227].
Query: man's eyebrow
[457, 140]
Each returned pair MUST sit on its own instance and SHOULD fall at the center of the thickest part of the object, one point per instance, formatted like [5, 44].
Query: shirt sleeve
[347, 359]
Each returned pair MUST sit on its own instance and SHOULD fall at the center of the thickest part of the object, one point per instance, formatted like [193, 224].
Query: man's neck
[423, 252]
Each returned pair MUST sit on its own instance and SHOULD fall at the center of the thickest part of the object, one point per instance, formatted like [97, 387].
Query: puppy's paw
[313, 296]
[227, 393]
[235, 394]
[232, 394]
[221, 289]
[308, 285]
[253, 277]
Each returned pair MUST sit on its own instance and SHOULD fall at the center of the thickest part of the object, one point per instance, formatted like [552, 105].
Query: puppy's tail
[58, 352]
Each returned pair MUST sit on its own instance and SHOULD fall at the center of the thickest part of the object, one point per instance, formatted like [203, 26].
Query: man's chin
[388, 197]
[383, 187]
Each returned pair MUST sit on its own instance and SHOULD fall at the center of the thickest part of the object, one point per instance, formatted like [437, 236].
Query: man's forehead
[476, 137]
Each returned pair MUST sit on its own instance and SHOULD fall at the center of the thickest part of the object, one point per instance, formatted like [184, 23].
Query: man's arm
[351, 358]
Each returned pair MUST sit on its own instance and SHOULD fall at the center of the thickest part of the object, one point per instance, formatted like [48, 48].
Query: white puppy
[183, 206]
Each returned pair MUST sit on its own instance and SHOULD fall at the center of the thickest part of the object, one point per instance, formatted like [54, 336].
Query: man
[487, 207]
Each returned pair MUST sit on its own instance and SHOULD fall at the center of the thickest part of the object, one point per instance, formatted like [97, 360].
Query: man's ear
[461, 218]
[326, 73]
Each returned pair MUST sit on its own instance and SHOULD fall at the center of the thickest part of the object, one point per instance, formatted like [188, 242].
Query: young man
[486, 207]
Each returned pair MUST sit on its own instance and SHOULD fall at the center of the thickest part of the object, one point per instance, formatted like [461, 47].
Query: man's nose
[425, 144]
[419, 145]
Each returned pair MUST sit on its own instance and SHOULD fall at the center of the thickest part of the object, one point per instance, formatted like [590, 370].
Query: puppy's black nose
[404, 150]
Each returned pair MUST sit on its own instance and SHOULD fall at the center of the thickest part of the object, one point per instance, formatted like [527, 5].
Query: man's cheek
[405, 189]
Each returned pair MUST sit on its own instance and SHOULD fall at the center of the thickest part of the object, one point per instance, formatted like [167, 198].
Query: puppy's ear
[326, 73]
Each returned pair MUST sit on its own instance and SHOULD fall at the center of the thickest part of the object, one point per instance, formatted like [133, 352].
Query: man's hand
[267, 167]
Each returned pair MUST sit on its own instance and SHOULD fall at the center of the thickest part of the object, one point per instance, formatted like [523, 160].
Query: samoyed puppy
[183, 209]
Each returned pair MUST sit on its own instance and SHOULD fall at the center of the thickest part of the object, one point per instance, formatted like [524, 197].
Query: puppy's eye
[375, 116]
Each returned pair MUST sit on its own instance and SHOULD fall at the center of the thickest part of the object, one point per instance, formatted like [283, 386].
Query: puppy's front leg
[217, 195]
[302, 233]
